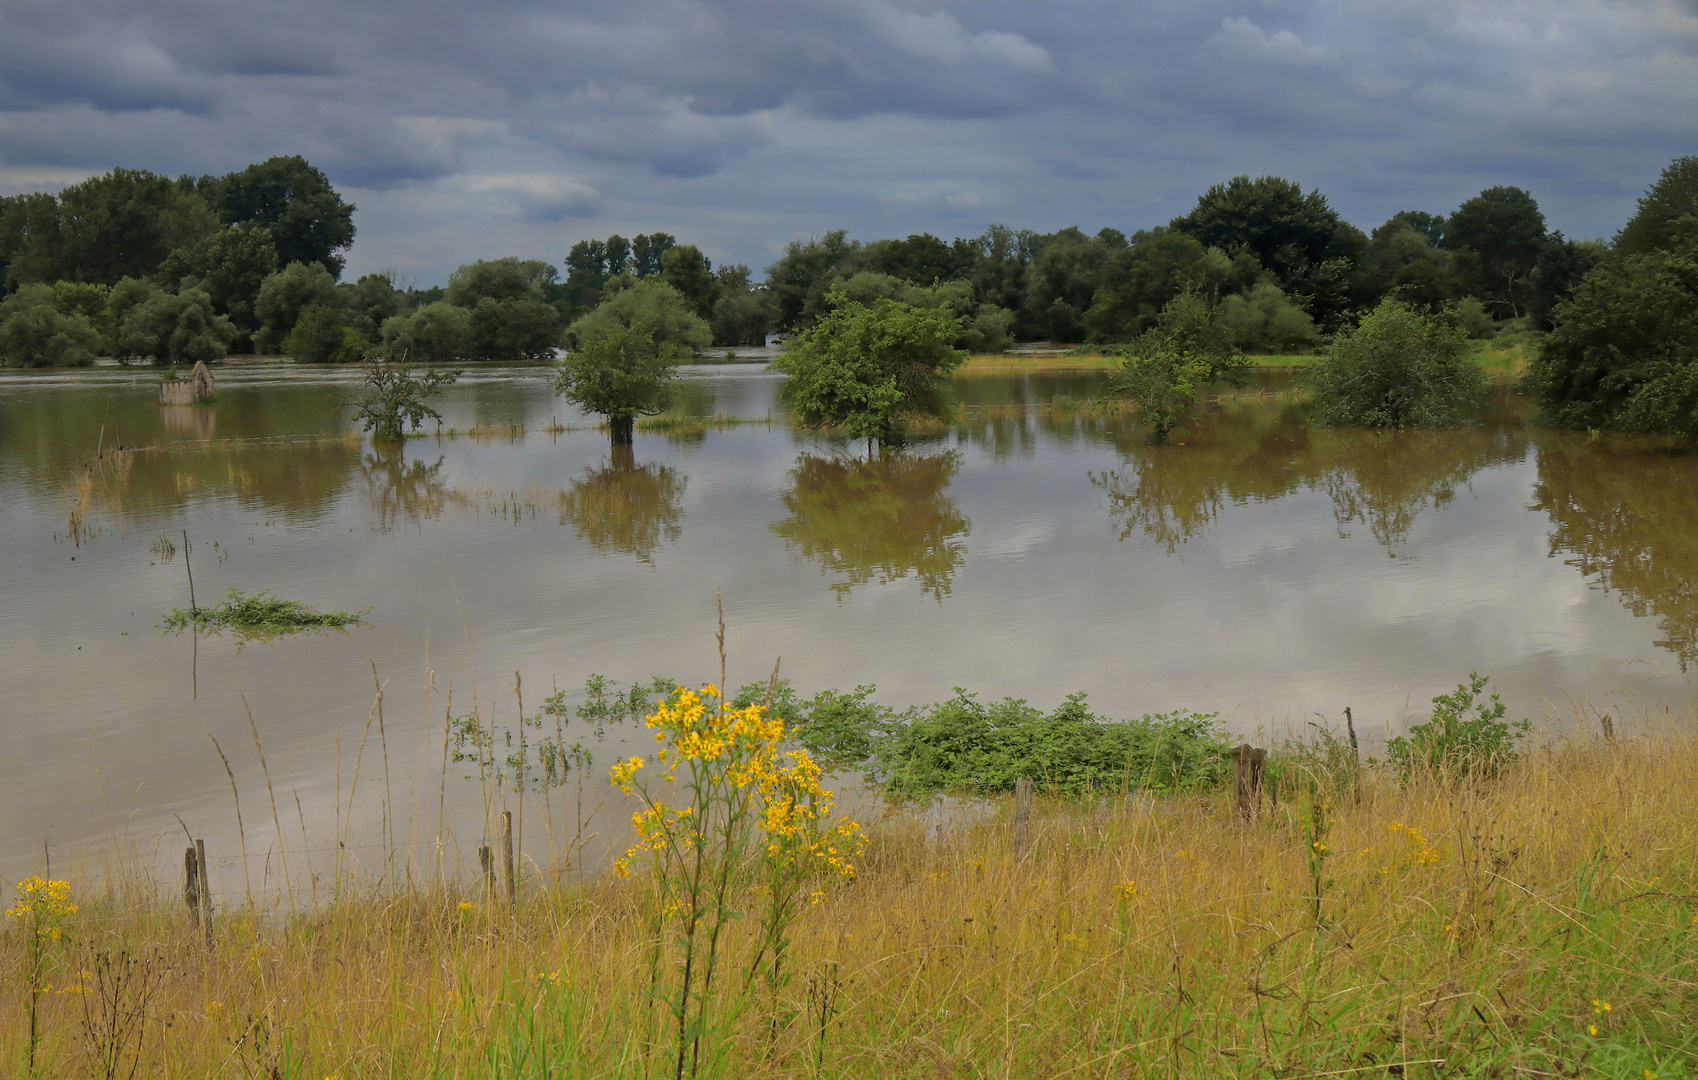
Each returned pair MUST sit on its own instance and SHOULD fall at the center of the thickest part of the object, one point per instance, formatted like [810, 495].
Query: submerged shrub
[1401, 368]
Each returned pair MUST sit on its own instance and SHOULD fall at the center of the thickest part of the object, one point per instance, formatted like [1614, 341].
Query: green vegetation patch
[261, 614]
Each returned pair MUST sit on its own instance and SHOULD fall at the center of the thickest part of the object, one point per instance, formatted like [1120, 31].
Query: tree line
[143, 267]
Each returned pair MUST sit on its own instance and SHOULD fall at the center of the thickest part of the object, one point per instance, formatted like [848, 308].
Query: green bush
[435, 333]
[964, 744]
[1401, 368]
[317, 337]
[1465, 737]
[36, 332]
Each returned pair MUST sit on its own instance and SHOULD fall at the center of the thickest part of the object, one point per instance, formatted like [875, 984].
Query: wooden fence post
[1022, 815]
[507, 858]
[1247, 764]
[191, 886]
[486, 864]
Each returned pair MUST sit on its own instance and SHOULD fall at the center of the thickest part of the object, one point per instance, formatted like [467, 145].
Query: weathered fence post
[197, 888]
[191, 886]
[1609, 728]
[1247, 764]
[486, 863]
[1022, 815]
[507, 858]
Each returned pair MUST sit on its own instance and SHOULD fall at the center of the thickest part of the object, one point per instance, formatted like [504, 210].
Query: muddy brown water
[1256, 567]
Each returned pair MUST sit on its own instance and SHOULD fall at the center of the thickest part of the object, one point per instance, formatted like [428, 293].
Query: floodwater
[1256, 568]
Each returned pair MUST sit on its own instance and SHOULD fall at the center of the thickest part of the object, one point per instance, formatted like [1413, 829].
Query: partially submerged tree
[619, 373]
[1624, 354]
[392, 399]
[869, 369]
[38, 331]
[1167, 368]
[621, 355]
[1400, 368]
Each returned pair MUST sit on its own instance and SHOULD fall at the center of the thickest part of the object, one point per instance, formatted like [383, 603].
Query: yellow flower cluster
[738, 752]
[1418, 850]
[43, 903]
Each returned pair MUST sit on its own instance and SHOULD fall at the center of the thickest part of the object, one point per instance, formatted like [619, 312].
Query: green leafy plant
[1166, 369]
[391, 399]
[1465, 737]
[260, 614]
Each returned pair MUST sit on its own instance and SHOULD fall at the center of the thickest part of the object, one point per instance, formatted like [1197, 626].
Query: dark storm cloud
[744, 120]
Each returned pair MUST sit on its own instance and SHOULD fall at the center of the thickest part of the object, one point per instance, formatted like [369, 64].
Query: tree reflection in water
[625, 507]
[1627, 517]
[403, 489]
[1383, 480]
[882, 519]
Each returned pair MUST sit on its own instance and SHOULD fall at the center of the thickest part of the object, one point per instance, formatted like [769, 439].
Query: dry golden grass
[1137, 937]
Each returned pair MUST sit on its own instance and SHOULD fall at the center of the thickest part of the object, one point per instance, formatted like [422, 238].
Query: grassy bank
[1507, 356]
[1539, 924]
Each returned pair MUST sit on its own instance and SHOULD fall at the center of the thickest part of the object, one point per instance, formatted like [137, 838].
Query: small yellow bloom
[467, 905]
[1592, 1029]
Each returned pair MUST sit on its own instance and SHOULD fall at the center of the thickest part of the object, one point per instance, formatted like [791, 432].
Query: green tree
[686, 269]
[319, 337]
[621, 355]
[1505, 231]
[1139, 281]
[1624, 353]
[294, 202]
[284, 295]
[648, 253]
[741, 315]
[391, 399]
[652, 306]
[1297, 237]
[1265, 320]
[1667, 218]
[503, 279]
[1399, 368]
[508, 331]
[231, 265]
[801, 277]
[870, 369]
[119, 224]
[1561, 266]
[922, 259]
[435, 333]
[29, 239]
[370, 302]
[170, 328]
[618, 372]
[36, 331]
[1061, 280]
[1166, 369]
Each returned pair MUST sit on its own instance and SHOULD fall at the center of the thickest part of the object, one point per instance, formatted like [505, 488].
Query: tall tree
[648, 251]
[689, 271]
[1668, 213]
[801, 277]
[231, 265]
[1292, 234]
[621, 355]
[1504, 230]
[308, 220]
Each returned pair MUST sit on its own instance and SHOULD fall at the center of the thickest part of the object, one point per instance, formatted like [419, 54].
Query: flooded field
[1256, 567]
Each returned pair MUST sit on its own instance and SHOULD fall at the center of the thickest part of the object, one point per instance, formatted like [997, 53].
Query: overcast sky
[503, 127]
